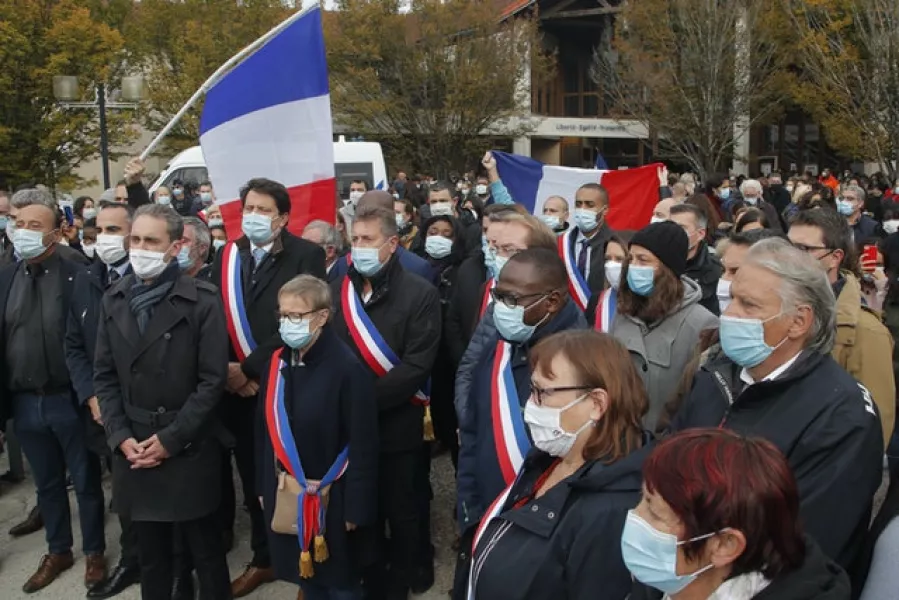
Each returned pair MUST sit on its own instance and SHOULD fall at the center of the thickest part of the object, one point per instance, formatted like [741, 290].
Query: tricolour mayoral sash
[509, 435]
[605, 310]
[232, 295]
[312, 503]
[377, 354]
[577, 285]
[485, 301]
[493, 511]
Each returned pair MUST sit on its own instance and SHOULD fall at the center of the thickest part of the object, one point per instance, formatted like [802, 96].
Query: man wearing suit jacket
[259, 263]
[325, 235]
[588, 237]
[113, 229]
[35, 387]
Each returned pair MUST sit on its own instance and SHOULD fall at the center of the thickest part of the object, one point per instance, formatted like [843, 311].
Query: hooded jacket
[661, 351]
[824, 422]
[479, 479]
[565, 545]
[818, 578]
[864, 347]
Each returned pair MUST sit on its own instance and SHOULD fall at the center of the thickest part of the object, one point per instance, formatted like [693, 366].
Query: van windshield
[347, 173]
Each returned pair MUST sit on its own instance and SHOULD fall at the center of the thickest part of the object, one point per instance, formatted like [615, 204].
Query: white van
[352, 161]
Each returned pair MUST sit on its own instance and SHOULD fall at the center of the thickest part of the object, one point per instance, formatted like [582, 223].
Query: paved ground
[19, 557]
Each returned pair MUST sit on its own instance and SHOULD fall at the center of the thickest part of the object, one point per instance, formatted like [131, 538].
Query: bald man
[409, 261]
[555, 214]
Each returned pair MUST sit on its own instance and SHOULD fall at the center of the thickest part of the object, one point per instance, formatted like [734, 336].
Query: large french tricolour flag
[632, 192]
[271, 117]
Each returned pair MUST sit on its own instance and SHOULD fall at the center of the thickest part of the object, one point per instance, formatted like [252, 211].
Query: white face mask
[355, 196]
[891, 226]
[723, 294]
[89, 250]
[147, 264]
[613, 273]
[110, 248]
[546, 430]
[442, 209]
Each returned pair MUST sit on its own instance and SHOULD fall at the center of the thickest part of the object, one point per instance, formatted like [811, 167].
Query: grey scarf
[145, 296]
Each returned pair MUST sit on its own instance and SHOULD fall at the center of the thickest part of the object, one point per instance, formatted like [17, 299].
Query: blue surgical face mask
[585, 219]
[510, 323]
[438, 246]
[3, 222]
[296, 335]
[400, 220]
[184, 259]
[366, 260]
[641, 280]
[551, 221]
[489, 260]
[651, 555]
[498, 263]
[216, 222]
[257, 228]
[743, 340]
[28, 244]
[206, 198]
[724, 194]
[218, 244]
[164, 200]
[845, 207]
[178, 192]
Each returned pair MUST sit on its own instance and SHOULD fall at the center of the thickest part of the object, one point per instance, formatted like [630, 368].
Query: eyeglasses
[295, 318]
[540, 394]
[512, 301]
[809, 249]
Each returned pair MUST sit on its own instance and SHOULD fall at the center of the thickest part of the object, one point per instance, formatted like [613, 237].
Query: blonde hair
[540, 235]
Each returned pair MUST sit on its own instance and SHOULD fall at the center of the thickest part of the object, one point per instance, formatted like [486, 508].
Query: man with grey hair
[36, 388]
[195, 249]
[325, 235]
[403, 314]
[850, 205]
[778, 381]
[167, 442]
[753, 195]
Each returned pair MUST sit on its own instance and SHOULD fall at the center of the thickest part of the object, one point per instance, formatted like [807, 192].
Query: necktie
[582, 257]
[258, 256]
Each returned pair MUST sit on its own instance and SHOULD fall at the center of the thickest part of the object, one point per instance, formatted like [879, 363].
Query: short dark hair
[549, 267]
[261, 185]
[699, 216]
[205, 182]
[749, 216]
[408, 208]
[439, 186]
[174, 223]
[834, 228]
[361, 182]
[604, 194]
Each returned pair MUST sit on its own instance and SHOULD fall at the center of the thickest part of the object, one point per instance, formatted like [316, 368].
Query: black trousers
[203, 538]
[399, 509]
[239, 416]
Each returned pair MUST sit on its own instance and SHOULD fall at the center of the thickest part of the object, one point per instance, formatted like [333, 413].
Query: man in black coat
[587, 238]
[114, 228]
[36, 388]
[781, 384]
[404, 311]
[703, 267]
[263, 260]
[159, 325]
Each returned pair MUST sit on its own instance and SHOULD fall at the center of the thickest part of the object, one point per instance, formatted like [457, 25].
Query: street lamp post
[65, 90]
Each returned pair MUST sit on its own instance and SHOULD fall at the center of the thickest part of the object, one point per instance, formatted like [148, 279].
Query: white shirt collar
[267, 247]
[746, 378]
[120, 269]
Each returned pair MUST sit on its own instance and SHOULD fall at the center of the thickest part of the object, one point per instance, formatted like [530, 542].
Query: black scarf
[145, 296]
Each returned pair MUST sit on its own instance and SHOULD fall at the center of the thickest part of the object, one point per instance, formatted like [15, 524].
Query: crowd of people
[711, 420]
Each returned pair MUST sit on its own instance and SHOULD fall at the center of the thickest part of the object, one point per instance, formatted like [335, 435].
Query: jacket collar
[849, 303]
[382, 280]
[729, 371]
[183, 287]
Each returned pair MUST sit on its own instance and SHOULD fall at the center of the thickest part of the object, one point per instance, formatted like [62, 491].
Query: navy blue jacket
[825, 423]
[330, 402]
[565, 545]
[479, 479]
[411, 262]
[865, 229]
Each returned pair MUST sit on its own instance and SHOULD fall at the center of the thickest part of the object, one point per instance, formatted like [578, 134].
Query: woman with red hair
[719, 520]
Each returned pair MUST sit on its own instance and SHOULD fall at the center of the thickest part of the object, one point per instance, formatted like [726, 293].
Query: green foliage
[39, 140]
[432, 82]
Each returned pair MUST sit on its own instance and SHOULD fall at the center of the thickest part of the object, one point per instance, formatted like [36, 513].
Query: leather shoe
[251, 579]
[183, 587]
[50, 568]
[121, 578]
[94, 570]
[34, 522]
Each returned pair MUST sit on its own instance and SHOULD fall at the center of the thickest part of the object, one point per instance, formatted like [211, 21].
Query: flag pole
[221, 72]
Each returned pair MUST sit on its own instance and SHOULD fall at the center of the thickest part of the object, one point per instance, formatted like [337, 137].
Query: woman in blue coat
[324, 434]
[554, 533]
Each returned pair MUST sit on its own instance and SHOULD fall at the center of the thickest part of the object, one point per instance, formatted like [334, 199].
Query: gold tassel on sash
[306, 570]
[321, 549]
[429, 425]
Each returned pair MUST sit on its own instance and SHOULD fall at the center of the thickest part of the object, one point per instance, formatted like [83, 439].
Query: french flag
[633, 193]
[271, 117]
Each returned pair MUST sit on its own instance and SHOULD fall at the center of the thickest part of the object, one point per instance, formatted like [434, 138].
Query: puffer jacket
[864, 347]
[661, 351]
[479, 479]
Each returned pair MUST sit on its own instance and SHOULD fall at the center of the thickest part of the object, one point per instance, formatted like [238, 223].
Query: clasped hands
[240, 384]
[146, 454]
